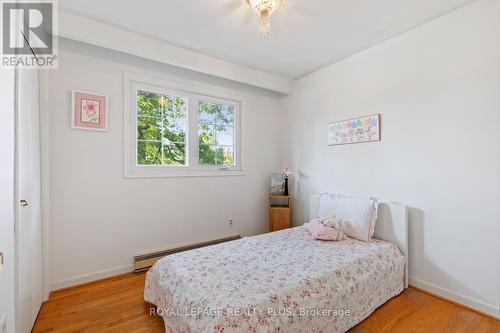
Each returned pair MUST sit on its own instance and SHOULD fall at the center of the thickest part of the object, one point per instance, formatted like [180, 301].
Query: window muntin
[161, 129]
[216, 134]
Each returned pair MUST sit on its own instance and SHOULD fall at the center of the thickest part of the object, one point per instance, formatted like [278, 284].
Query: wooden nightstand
[280, 216]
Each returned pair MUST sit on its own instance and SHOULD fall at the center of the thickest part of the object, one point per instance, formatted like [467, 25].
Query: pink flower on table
[286, 172]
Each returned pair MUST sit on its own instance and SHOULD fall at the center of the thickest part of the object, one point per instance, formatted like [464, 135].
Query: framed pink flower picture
[89, 111]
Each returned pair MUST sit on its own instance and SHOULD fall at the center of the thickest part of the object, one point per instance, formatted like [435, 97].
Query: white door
[28, 226]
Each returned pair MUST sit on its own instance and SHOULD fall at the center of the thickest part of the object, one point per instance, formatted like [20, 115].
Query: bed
[282, 281]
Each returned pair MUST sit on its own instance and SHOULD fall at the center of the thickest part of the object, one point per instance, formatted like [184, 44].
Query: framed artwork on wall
[89, 111]
[277, 184]
[356, 130]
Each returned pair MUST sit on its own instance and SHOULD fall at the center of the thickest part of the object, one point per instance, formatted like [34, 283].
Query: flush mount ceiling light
[265, 8]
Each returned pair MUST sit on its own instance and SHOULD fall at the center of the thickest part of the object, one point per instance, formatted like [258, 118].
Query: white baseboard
[90, 277]
[453, 296]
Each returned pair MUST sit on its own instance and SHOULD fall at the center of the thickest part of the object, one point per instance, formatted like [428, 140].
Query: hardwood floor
[117, 305]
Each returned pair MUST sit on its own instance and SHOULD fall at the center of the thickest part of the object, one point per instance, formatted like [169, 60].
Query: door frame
[44, 104]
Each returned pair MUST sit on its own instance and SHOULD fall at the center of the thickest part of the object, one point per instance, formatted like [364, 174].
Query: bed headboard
[392, 225]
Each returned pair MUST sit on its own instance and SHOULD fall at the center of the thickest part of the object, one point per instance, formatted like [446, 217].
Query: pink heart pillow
[321, 231]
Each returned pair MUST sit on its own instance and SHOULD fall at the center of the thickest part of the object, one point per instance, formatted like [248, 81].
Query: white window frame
[194, 92]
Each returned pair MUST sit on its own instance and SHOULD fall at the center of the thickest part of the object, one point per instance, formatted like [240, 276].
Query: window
[216, 134]
[161, 129]
[174, 131]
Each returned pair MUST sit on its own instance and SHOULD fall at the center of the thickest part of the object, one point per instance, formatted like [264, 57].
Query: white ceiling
[306, 34]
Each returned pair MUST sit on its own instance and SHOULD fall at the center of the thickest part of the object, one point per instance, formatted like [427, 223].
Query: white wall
[7, 274]
[438, 90]
[98, 219]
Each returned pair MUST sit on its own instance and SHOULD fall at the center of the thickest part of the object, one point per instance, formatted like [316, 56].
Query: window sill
[183, 174]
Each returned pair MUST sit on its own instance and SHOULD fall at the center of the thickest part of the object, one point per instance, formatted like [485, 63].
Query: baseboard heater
[143, 262]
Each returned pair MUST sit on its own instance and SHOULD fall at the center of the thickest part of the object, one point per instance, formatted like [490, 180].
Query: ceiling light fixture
[265, 8]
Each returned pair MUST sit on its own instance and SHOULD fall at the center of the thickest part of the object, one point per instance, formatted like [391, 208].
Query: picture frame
[89, 111]
[355, 130]
[277, 184]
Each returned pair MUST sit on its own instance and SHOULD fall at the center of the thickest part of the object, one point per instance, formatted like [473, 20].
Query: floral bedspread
[277, 282]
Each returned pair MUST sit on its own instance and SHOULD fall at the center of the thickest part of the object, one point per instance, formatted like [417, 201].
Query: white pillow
[357, 216]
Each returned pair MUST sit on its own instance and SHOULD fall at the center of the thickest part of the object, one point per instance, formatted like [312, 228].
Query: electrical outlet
[230, 222]
[3, 324]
